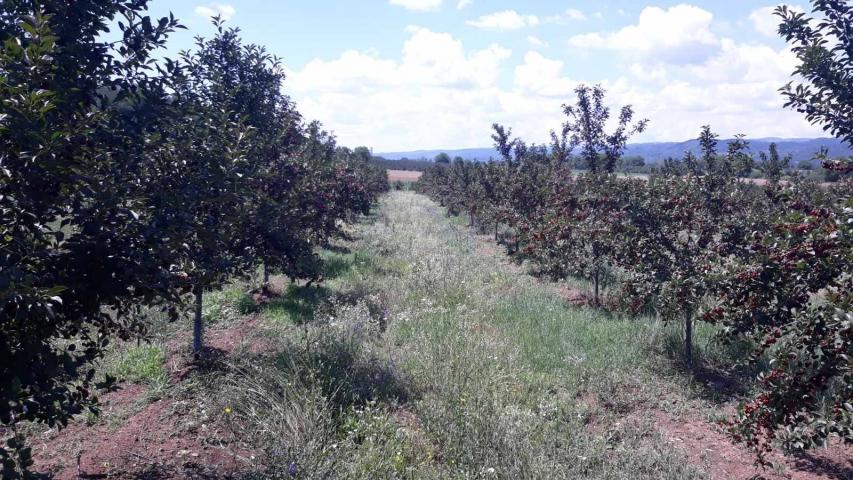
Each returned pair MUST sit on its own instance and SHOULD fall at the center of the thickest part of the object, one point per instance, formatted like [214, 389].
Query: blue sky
[411, 74]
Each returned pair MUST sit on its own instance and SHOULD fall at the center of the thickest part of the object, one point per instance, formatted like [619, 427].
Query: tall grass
[426, 358]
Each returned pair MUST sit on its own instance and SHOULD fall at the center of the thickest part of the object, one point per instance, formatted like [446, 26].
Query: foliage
[585, 126]
[126, 183]
[677, 226]
[442, 158]
[772, 165]
[76, 261]
[768, 265]
[823, 46]
[790, 291]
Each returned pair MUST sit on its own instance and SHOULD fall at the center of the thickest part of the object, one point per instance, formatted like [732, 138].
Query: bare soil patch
[708, 445]
[573, 296]
[172, 437]
[163, 440]
[404, 176]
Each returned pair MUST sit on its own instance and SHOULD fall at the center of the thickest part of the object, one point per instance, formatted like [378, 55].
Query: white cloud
[536, 41]
[353, 73]
[463, 4]
[575, 14]
[588, 40]
[505, 20]
[679, 35]
[648, 73]
[734, 90]
[438, 94]
[439, 59]
[419, 5]
[744, 63]
[543, 77]
[766, 22]
[213, 9]
[570, 15]
[437, 90]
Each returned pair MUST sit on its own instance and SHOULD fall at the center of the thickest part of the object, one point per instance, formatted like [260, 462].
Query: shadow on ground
[347, 374]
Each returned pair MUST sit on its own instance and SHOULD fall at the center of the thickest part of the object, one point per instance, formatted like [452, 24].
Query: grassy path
[504, 380]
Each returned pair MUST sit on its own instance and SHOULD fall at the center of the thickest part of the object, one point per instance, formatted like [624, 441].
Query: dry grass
[428, 360]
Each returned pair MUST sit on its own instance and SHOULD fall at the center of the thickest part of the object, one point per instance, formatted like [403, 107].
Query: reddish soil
[159, 441]
[169, 438]
[707, 445]
[219, 343]
[573, 296]
[403, 176]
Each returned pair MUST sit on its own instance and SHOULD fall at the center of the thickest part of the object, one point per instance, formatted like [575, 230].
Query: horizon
[399, 75]
[674, 142]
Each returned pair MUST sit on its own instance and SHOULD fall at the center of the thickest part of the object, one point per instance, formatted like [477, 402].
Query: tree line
[129, 183]
[770, 265]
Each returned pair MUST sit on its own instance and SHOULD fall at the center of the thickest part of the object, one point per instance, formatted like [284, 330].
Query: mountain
[474, 154]
[799, 148]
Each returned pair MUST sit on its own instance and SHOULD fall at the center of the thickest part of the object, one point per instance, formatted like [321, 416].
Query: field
[412, 176]
[426, 354]
[403, 176]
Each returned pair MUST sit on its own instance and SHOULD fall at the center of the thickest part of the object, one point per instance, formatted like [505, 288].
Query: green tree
[442, 158]
[77, 262]
[204, 189]
[742, 162]
[788, 290]
[676, 228]
[589, 221]
[772, 165]
[824, 47]
[633, 163]
[585, 128]
[793, 280]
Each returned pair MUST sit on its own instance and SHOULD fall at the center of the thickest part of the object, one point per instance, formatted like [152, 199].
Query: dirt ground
[404, 175]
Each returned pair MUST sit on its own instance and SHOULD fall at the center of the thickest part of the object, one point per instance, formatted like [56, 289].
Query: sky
[399, 75]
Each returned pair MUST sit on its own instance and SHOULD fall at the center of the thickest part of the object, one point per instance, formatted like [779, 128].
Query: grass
[422, 357]
[226, 305]
[141, 364]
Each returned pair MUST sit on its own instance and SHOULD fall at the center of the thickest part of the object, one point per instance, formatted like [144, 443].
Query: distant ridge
[799, 148]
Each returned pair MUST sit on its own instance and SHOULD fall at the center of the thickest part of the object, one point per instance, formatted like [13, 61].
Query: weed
[141, 364]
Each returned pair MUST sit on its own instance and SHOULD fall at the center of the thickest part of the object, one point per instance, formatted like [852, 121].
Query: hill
[799, 148]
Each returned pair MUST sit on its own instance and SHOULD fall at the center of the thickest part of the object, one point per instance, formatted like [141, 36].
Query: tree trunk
[471, 222]
[198, 326]
[496, 231]
[688, 337]
[266, 276]
[595, 292]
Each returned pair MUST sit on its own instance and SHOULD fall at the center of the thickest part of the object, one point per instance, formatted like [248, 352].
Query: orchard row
[129, 184]
[771, 266]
